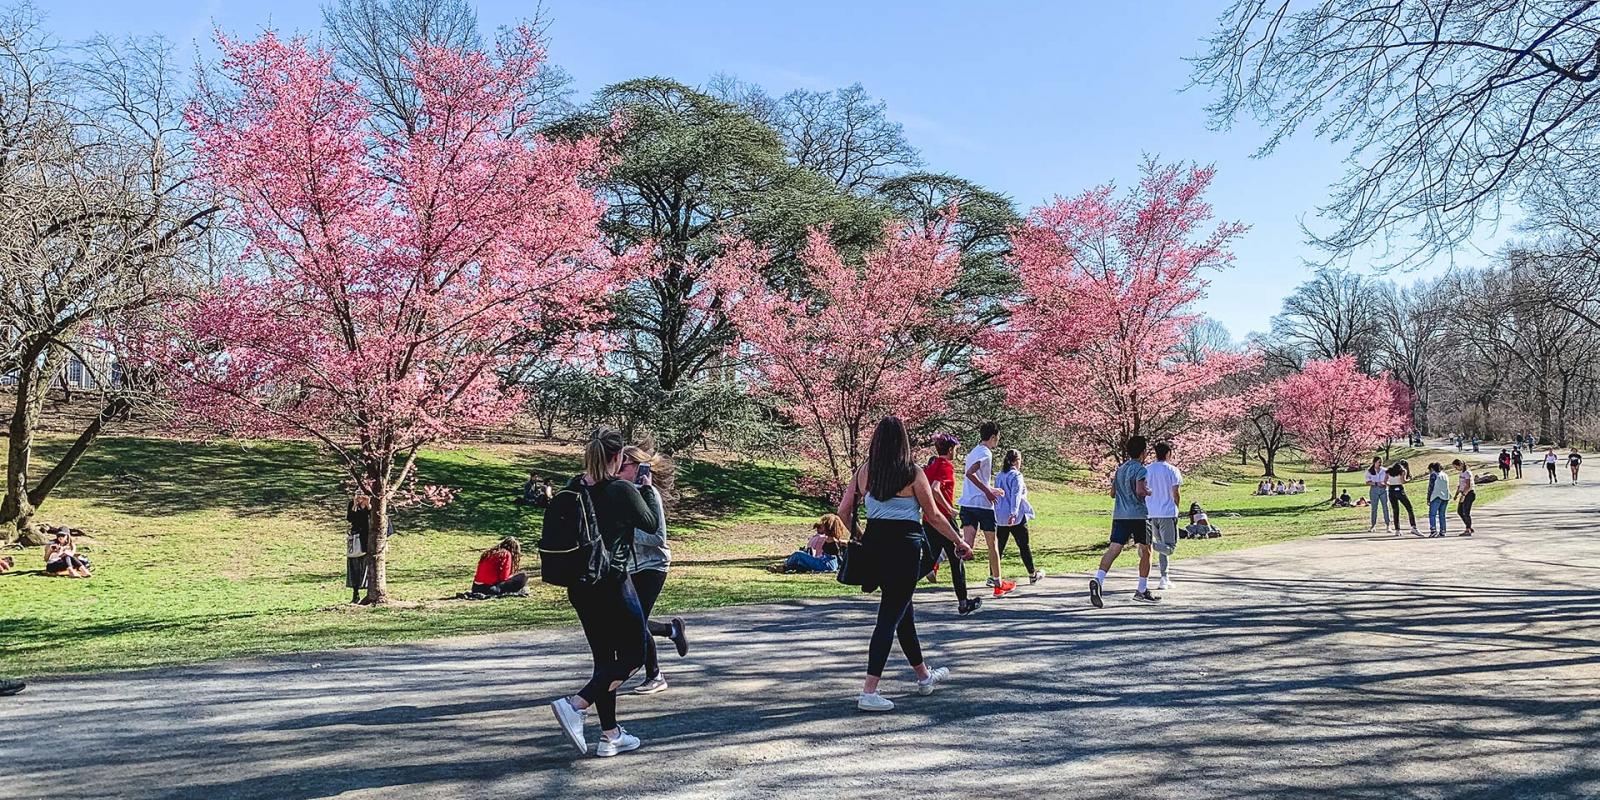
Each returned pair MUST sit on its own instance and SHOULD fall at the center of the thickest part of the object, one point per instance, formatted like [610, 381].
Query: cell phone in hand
[644, 474]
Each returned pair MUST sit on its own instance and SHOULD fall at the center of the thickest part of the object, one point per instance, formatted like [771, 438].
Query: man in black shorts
[1128, 514]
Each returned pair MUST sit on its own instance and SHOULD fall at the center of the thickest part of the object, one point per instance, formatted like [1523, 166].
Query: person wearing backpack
[593, 518]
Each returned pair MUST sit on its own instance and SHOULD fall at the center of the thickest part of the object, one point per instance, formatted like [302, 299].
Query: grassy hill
[207, 550]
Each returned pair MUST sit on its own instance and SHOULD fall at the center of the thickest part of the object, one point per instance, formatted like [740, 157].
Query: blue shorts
[1125, 530]
[980, 518]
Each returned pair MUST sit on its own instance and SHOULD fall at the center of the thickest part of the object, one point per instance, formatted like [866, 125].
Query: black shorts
[59, 565]
[980, 518]
[1126, 530]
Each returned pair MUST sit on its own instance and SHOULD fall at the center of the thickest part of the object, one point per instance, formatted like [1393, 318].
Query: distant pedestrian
[1012, 512]
[1475, 441]
[1550, 466]
[1516, 460]
[1129, 488]
[1377, 495]
[1163, 480]
[899, 500]
[1466, 492]
[1505, 463]
[1573, 460]
[1398, 473]
[1438, 498]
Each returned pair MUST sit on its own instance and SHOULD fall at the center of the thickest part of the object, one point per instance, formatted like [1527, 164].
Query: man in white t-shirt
[977, 502]
[1161, 506]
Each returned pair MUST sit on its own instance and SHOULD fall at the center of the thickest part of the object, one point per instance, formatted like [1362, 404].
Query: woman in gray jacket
[651, 558]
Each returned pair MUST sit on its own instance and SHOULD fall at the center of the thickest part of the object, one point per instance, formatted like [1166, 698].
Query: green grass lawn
[208, 550]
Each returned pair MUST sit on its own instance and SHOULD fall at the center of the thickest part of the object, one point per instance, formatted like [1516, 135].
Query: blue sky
[1033, 99]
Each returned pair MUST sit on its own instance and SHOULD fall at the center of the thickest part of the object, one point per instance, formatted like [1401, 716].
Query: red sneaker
[1005, 588]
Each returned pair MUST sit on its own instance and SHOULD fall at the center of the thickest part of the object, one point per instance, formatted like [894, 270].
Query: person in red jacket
[498, 572]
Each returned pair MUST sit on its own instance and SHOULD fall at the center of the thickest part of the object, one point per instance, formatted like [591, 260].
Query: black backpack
[571, 550]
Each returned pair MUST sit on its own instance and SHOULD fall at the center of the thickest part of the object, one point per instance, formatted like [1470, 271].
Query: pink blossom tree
[389, 275]
[854, 345]
[1338, 414]
[1096, 340]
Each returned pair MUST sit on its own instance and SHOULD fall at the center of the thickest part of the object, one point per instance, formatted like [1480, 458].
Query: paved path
[1346, 666]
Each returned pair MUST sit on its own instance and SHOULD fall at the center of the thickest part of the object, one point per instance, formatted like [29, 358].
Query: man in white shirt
[977, 502]
[1163, 480]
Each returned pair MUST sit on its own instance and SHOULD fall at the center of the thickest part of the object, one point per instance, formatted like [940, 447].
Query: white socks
[1144, 583]
[1100, 577]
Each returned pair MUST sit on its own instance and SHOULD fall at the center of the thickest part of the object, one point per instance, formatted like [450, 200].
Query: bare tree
[845, 135]
[1413, 322]
[1448, 106]
[1333, 314]
[96, 215]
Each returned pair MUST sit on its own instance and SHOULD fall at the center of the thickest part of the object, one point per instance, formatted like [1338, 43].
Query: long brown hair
[662, 470]
[832, 527]
[512, 546]
[889, 464]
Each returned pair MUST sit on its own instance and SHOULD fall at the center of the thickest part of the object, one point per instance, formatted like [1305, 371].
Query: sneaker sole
[653, 690]
[1094, 595]
[682, 642]
[577, 741]
[874, 709]
[618, 751]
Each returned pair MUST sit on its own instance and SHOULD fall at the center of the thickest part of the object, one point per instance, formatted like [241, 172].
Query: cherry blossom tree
[1097, 343]
[390, 273]
[853, 346]
[1338, 414]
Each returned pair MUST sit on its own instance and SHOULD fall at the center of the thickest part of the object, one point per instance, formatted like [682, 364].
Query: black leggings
[1550, 468]
[511, 585]
[1397, 498]
[958, 568]
[1020, 533]
[896, 547]
[1464, 508]
[648, 583]
[613, 622]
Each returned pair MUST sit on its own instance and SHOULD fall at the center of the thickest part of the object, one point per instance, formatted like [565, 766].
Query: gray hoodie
[650, 550]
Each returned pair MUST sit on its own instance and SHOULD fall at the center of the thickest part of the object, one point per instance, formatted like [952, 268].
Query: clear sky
[1034, 99]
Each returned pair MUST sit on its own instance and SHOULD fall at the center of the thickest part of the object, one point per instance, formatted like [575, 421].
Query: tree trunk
[1267, 456]
[1333, 494]
[17, 509]
[378, 556]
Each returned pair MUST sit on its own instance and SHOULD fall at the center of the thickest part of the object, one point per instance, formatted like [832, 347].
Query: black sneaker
[1146, 597]
[10, 687]
[680, 636]
[969, 608]
[1094, 594]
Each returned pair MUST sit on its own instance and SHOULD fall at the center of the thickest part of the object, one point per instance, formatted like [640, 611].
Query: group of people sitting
[1344, 500]
[536, 492]
[1281, 487]
[61, 557]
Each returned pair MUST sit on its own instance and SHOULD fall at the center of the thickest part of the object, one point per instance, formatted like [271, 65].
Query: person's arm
[923, 491]
[938, 497]
[851, 497]
[636, 506]
[1141, 488]
[972, 475]
[658, 538]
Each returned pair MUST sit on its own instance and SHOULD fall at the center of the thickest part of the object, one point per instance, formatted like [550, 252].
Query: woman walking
[941, 474]
[898, 499]
[1466, 492]
[609, 610]
[1398, 474]
[1012, 512]
[1438, 498]
[1550, 466]
[651, 558]
[1573, 461]
[1376, 489]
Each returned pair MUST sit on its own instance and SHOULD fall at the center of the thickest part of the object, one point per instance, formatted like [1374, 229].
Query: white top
[1160, 478]
[1549, 458]
[1376, 478]
[972, 496]
[1395, 480]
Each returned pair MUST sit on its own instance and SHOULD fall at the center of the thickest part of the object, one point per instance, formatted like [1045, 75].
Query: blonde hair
[831, 526]
[662, 470]
[603, 446]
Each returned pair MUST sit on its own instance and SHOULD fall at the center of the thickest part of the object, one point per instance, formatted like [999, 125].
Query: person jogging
[898, 499]
[1398, 474]
[1550, 466]
[1012, 512]
[609, 609]
[1505, 464]
[1466, 492]
[651, 559]
[941, 474]
[1438, 498]
[1128, 514]
[1163, 480]
[977, 503]
[1573, 460]
[1377, 495]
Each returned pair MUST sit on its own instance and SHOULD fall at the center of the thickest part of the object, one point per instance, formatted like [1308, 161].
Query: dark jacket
[619, 507]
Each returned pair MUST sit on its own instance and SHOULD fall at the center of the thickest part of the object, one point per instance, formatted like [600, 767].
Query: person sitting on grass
[821, 553]
[1199, 526]
[1264, 488]
[536, 492]
[61, 557]
[1344, 499]
[498, 574]
[6, 563]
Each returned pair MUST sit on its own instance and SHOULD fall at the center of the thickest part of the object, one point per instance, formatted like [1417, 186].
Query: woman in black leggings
[1398, 475]
[651, 558]
[898, 498]
[1466, 492]
[612, 618]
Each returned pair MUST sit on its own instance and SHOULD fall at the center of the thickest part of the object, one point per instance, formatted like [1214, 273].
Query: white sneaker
[570, 717]
[925, 685]
[623, 743]
[991, 583]
[655, 685]
[1165, 584]
[1037, 576]
[873, 702]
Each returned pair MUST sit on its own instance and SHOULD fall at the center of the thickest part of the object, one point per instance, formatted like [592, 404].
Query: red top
[943, 471]
[493, 567]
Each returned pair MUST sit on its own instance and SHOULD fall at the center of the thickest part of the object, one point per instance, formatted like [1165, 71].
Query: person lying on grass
[821, 553]
[61, 557]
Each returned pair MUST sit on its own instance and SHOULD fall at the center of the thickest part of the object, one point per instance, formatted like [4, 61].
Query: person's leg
[1024, 548]
[894, 601]
[1394, 502]
[1144, 567]
[906, 631]
[958, 569]
[1002, 533]
[1411, 516]
[1465, 510]
[994, 551]
[647, 583]
[1162, 564]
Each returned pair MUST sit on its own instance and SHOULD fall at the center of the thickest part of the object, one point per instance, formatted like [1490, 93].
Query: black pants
[1020, 533]
[958, 568]
[1464, 508]
[1397, 498]
[1550, 468]
[511, 585]
[613, 622]
[648, 583]
[897, 556]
